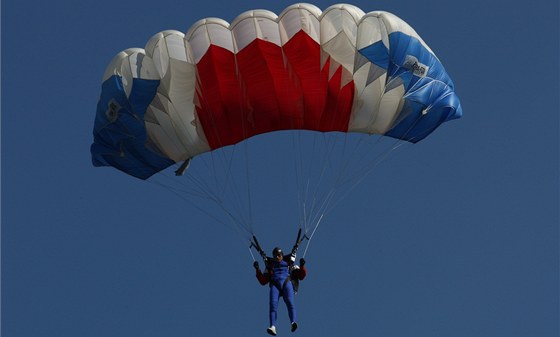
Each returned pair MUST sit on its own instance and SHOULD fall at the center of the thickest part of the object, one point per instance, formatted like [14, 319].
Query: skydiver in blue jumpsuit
[281, 273]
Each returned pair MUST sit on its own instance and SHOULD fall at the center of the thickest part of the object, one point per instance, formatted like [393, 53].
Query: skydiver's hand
[292, 258]
[301, 262]
[256, 265]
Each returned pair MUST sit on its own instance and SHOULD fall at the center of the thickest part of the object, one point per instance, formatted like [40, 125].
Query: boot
[294, 326]
[271, 330]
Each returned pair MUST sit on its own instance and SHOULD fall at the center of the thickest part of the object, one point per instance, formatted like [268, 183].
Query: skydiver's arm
[263, 278]
[300, 273]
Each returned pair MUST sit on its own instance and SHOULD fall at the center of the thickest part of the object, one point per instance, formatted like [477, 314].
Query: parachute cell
[220, 83]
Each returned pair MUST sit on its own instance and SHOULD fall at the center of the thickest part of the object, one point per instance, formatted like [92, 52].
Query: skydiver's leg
[273, 304]
[288, 294]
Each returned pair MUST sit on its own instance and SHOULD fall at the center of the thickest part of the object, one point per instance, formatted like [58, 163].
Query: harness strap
[281, 288]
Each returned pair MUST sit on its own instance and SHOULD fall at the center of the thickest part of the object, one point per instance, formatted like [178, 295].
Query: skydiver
[283, 276]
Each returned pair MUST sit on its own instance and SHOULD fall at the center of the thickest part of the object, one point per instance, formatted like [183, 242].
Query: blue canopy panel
[429, 98]
[377, 54]
[119, 132]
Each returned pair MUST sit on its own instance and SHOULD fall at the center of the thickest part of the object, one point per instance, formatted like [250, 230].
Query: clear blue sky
[455, 236]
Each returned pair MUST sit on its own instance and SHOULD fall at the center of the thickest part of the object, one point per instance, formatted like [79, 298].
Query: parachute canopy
[220, 83]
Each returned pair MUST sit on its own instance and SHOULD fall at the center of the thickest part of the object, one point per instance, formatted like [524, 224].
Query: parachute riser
[299, 239]
[255, 244]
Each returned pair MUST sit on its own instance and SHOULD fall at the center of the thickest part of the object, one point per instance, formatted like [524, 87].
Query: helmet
[277, 251]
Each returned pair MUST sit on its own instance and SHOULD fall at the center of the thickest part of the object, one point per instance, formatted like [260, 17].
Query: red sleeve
[300, 273]
[263, 278]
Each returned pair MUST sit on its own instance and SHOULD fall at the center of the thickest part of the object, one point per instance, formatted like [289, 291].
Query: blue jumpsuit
[280, 285]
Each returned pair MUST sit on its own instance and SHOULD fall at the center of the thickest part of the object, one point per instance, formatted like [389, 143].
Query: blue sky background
[455, 236]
